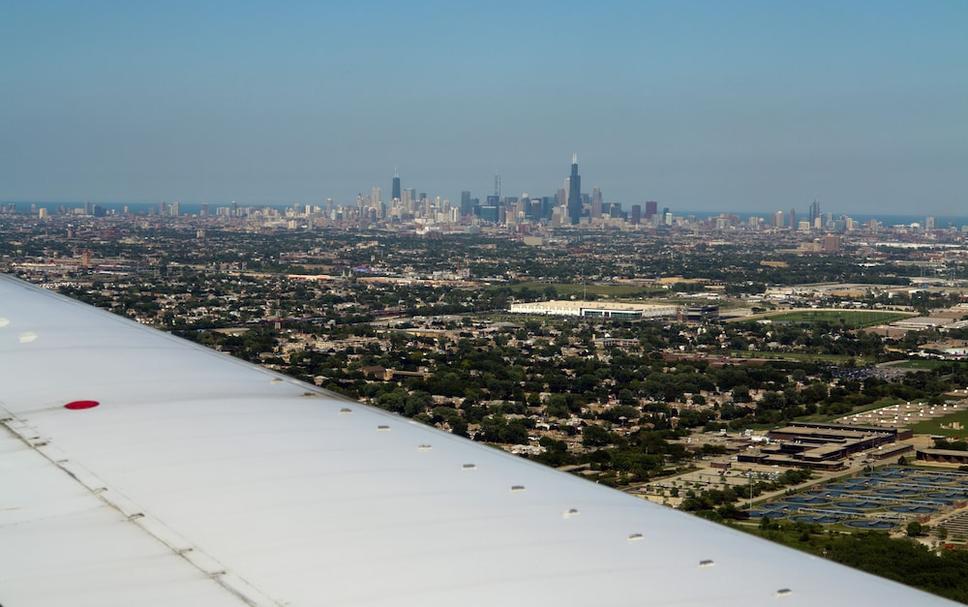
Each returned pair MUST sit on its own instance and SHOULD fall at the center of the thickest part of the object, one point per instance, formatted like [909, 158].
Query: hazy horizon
[746, 106]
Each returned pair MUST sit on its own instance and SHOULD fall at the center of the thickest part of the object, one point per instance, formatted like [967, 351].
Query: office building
[831, 243]
[814, 213]
[596, 203]
[466, 204]
[574, 192]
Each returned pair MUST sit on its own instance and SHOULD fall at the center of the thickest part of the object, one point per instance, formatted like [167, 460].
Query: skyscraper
[466, 207]
[636, 216]
[814, 213]
[574, 192]
[596, 203]
[376, 200]
[396, 187]
[651, 208]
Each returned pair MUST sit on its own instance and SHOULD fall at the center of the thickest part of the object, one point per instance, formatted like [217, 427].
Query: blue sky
[701, 105]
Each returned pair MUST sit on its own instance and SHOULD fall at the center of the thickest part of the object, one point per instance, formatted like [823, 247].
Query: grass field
[927, 364]
[883, 402]
[933, 426]
[800, 356]
[565, 289]
[854, 319]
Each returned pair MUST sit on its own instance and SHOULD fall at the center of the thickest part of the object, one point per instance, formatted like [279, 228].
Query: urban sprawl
[800, 375]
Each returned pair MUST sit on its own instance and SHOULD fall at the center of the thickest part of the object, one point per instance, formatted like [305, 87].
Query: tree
[914, 529]
[595, 436]
[498, 429]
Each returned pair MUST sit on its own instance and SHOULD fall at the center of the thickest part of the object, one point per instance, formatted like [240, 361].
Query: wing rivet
[517, 488]
[4, 322]
[635, 537]
[782, 592]
[469, 466]
[276, 380]
[345, 411]
[424, 447]
[27, 337]
[383, 428]
[570, 513]
[706, 563]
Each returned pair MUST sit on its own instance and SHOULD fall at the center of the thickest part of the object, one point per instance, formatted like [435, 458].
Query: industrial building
[943, 456]
[699, 313]
[824, 446]
[596, 309]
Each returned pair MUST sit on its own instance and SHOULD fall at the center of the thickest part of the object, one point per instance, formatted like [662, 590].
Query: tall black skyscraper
[396, 188]
[574, 192]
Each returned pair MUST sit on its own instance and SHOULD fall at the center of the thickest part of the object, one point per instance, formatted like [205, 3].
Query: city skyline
[745, 106]
[394, 192]
[441, 303]
[590, 206]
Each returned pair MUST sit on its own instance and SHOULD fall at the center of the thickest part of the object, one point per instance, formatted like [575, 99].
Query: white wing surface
[202, 480]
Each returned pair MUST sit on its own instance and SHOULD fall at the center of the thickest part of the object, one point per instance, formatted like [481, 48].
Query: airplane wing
[137, 468]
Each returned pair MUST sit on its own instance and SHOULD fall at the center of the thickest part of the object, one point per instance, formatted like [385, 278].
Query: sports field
[927, 364]
[952, 425]
[801, 356]
[607, 290]
[854, 319]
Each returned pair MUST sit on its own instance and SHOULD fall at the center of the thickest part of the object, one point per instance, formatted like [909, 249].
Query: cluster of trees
[636, 457]
[901, 560]
[250, 345]
[541, 380]
[719, 504]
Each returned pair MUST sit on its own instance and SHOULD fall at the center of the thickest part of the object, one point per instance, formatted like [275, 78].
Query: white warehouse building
[596, 309]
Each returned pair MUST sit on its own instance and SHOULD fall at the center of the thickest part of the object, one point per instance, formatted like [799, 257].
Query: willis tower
[574, 192]
[395, 189]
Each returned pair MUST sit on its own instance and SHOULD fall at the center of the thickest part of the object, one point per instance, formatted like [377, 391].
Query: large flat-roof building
[596, 309]
[825, 446]
[943, 456]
